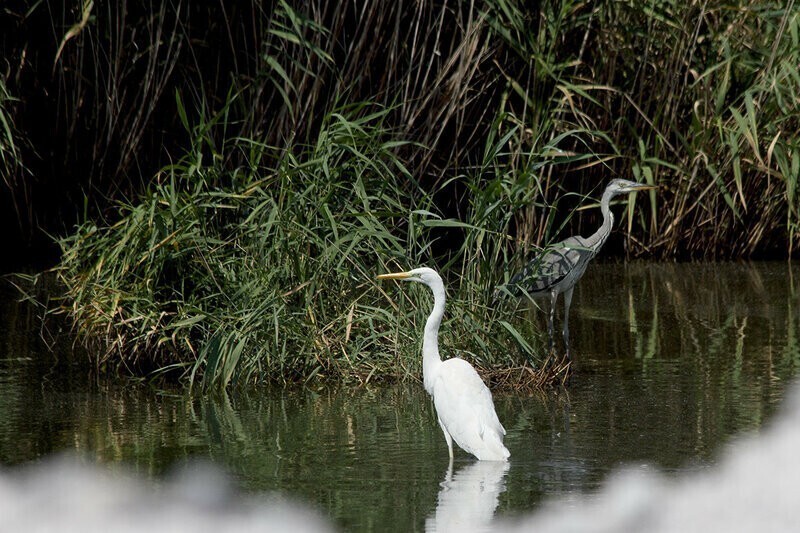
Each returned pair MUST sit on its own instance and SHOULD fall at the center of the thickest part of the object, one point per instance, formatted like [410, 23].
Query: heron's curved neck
[599, 237]
[430, 342]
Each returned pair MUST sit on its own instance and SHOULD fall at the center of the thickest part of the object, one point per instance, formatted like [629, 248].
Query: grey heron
[463, 402]
[557, 268]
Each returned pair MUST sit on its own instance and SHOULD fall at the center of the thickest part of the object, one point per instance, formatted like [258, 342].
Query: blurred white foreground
[754, 487]
[64, 494]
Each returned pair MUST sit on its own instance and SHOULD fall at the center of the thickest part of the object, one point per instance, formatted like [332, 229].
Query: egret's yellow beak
[396, 275]
[644, 187]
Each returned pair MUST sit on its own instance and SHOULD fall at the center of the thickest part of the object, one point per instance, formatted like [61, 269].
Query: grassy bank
[323, 143]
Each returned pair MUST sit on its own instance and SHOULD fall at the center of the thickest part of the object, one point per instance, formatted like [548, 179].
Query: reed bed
[239, 174]
[268, 274]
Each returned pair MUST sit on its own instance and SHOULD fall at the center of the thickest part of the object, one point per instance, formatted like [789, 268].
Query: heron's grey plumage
[557, 268]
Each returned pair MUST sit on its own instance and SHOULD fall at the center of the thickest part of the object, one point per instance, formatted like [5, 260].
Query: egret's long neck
[430, 342]
[599, 237]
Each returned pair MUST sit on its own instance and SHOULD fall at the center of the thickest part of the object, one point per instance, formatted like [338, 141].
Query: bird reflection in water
[467, 500]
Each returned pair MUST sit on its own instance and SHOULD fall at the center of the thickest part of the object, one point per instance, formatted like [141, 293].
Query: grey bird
[557, 268]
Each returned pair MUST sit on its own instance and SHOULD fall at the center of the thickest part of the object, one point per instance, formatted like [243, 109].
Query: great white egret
[558, 267]
[463, 402]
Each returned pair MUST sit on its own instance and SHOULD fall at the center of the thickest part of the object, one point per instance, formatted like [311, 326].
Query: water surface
[672, 362]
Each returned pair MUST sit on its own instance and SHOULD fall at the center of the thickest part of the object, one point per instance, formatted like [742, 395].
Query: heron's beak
[642, 188]
[396, 275]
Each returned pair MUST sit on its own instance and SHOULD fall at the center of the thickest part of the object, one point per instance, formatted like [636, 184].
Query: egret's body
[463, 402]
[556, 269]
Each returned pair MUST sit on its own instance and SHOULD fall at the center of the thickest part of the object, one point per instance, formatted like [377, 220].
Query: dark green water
[672, 362]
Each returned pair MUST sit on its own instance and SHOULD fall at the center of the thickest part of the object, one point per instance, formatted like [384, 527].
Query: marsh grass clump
[250, 274]
[240, 273]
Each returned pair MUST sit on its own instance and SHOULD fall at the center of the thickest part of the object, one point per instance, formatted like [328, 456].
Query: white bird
[463, 402]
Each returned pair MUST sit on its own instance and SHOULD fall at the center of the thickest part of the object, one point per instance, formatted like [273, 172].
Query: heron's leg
[448, 438]
[567, 302]
[553, 300]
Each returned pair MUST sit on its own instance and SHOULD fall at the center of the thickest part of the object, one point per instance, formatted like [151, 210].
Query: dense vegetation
[241, 172]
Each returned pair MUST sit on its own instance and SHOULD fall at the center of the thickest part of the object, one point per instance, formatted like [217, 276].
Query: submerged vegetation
[299, 148]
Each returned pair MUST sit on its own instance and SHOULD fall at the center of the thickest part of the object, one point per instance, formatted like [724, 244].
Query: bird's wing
[464, 406]
[551, 266]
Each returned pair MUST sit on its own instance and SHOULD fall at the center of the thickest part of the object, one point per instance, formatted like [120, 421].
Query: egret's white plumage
[463, 402]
